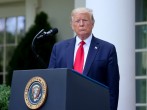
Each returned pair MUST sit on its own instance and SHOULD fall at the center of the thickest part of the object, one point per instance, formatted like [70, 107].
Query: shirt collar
[87, 41]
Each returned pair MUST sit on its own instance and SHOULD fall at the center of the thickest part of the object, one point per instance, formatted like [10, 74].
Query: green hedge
[4, 97]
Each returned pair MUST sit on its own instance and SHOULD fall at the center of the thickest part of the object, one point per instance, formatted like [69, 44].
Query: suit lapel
[93, 49]
[70, 53]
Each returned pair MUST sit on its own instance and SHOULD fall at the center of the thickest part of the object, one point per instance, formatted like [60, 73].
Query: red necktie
[79, 60]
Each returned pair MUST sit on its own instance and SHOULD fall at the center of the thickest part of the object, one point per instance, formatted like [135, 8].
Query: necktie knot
[82, 43]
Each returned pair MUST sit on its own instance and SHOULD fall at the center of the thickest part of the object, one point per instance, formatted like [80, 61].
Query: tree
[23, 57]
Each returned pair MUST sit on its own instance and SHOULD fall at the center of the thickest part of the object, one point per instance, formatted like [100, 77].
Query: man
[100, 57]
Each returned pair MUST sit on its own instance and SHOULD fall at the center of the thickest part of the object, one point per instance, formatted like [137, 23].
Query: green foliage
[23, 57]
[4, 97]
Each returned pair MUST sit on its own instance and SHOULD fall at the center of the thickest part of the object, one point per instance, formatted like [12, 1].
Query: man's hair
[83, 10]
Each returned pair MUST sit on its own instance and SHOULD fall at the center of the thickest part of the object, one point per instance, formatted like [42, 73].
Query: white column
[115, 24]
[31, 7]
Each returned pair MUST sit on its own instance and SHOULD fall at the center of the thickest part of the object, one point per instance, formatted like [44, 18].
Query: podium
[66, 90]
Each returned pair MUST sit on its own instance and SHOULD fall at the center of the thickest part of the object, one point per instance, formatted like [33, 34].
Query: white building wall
[115, 21]
[80, 3]
[11, 8]
[59, 16]
[30, 12]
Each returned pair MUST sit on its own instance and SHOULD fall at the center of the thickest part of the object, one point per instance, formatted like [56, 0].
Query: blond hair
[82, 10]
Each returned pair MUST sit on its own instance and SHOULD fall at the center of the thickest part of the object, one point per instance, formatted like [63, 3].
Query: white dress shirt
[85, 46]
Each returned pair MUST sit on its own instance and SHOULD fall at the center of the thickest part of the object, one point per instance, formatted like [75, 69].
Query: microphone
[49, 33]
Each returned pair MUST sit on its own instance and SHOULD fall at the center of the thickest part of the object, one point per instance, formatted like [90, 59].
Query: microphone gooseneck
[39, 35]
[48, 33]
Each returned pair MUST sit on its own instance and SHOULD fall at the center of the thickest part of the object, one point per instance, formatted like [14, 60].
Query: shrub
[23, 57]
[4, 97]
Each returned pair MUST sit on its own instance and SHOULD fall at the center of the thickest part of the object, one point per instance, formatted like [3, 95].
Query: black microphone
[49, 33]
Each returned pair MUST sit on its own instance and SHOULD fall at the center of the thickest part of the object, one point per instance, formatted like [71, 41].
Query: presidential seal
[35, 92]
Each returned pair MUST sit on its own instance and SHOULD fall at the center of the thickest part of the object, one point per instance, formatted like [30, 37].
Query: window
[141, 54]
[11, 32]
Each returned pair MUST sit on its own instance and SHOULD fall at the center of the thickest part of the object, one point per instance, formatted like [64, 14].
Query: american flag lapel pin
[95, 47]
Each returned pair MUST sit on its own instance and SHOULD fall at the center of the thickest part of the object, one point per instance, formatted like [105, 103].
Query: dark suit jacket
[101, 64]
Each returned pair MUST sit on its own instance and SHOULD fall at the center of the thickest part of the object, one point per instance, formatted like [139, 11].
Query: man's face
[82, 24]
